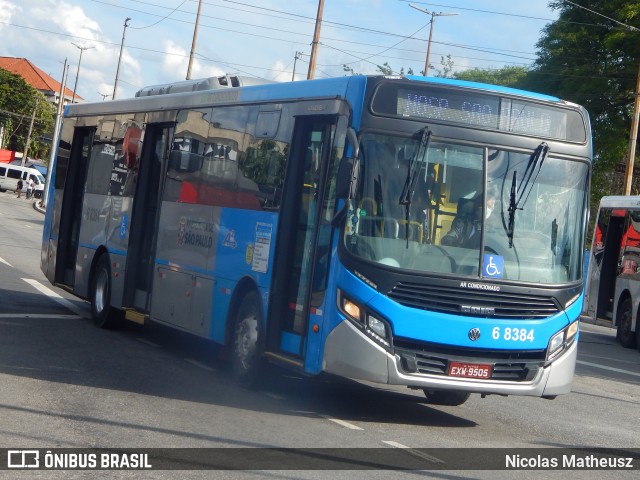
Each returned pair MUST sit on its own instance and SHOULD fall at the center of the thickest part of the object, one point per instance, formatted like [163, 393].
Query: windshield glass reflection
[455, 222]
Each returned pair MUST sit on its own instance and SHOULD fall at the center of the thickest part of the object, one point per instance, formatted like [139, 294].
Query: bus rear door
[144, 221]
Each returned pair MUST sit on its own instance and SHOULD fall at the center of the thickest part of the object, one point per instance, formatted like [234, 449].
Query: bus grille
[426, 359]
[473, 303]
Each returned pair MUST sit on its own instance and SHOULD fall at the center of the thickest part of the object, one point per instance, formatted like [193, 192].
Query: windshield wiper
[516, 196]
[412, 177]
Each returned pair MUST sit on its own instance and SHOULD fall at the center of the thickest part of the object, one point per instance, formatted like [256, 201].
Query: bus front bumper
[350, 353]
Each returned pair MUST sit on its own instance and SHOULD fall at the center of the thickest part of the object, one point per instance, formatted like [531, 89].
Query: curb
[38, 207]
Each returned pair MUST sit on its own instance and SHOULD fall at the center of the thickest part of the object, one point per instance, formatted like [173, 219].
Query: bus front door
[303, 246]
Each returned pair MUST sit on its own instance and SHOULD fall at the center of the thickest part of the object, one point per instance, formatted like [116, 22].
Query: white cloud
[7, 11]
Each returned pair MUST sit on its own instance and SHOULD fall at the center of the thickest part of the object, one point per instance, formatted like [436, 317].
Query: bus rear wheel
[104, 316]
[248, 340]
[446, 397]
[625, 315]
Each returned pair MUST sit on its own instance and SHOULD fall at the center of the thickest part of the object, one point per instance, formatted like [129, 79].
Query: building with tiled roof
[39, 80]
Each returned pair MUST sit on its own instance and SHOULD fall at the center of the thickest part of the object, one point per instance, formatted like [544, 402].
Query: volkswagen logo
[474, 334]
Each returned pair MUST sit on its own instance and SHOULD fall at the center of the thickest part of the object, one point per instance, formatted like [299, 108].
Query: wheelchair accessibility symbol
[492, 266]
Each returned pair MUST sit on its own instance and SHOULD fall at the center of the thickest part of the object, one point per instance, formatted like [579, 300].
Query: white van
[10, 174]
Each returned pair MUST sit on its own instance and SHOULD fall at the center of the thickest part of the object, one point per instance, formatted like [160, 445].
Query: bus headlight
[377, 329]
[376, 325]
[371, 324]
[561, 341]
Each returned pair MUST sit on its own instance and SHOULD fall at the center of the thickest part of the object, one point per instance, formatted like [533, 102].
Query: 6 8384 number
[513, 334]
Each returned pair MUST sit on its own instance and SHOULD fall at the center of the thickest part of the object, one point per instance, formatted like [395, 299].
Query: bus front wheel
[248, 340]
[103, 315]
[625, 315]
[446, 397]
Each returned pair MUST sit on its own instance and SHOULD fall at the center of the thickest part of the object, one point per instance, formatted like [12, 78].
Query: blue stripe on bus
[483, 86]
[327, 87]
[90, 246]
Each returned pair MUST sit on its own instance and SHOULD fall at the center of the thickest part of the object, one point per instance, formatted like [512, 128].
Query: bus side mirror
[343, 182]
[349, 169]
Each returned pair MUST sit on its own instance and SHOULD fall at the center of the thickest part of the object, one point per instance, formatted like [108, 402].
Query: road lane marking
[5, 262]
[413, 451]
[55, 297]
[199, 364]
[611, 369]
[609, 358]
[342, 423]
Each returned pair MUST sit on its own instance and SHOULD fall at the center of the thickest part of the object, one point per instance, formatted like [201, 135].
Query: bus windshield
[456, 219]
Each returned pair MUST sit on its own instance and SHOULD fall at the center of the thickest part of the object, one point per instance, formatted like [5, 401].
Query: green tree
[348, 69]
[447, 67]
[17, 102]
[385, 69]
[514, 77]
[591, 60]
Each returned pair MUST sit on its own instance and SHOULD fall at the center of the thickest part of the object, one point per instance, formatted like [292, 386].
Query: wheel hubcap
[247, 340]
[101, 291]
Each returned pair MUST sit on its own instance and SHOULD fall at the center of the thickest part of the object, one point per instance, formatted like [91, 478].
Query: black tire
[625, 316]
[446, 397]
[104, 316]
[248, 340]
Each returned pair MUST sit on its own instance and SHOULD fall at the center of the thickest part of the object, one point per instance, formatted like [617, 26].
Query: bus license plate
[469, 370]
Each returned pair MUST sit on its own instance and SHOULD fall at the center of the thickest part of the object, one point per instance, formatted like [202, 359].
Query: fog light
[351, 309]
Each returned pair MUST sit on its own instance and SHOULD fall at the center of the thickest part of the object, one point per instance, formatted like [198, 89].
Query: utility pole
[115, 84]
[295, 59]
[104, 95]
[28, 140]
[78, 71]
[193, 42]
[633, 137]
[316, 40]
[433, 18]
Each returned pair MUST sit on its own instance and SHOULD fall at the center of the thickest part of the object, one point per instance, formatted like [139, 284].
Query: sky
[269, 39]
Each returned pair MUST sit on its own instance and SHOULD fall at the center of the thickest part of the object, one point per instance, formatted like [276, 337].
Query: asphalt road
[68, 384]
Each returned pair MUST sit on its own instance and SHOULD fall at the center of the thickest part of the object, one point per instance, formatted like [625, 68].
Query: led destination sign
[447, 106]
[473, 108]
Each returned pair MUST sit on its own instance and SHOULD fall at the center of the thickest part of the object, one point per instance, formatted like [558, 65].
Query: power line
[264, 12]
[162, 19]
[528, 17]
[164, 53]
[629, 27]
[325, 22]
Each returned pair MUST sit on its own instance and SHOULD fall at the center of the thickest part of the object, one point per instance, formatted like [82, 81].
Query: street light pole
[73, 98]
[115, 84]
[433, 18]
[56, 134]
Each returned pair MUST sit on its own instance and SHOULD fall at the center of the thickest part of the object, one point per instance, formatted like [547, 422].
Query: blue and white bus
[308, 224]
